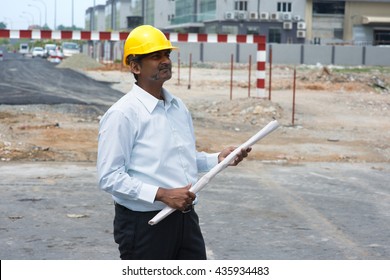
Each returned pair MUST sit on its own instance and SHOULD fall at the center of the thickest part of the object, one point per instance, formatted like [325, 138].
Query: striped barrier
[173, 37]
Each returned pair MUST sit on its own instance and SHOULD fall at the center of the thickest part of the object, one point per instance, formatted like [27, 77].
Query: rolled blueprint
[218, 168]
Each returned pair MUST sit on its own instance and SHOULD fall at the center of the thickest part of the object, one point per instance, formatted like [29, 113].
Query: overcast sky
[19, 14]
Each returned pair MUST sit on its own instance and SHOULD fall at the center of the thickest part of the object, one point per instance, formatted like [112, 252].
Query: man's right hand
[179, 198]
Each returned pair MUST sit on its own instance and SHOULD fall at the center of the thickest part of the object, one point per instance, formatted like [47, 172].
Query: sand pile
[80, 62]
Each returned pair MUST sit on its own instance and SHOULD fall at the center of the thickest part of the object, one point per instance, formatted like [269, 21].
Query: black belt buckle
[188, 209]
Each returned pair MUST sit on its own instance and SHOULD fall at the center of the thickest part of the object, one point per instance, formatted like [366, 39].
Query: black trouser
[177, 237]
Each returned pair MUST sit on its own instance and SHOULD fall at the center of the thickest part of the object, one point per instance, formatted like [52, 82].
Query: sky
[19, 14]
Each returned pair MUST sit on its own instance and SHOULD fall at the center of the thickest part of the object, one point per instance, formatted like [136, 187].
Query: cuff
[148, 193]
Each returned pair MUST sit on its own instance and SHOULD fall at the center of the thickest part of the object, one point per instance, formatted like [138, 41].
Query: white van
[24, 48]
[69, 49]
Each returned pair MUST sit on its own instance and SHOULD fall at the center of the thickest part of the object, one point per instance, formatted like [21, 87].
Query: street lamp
[55, 14]
[32, 16]
[72, 14]
[10, 21]
[27, 19]
[40, 15]
[44, 4]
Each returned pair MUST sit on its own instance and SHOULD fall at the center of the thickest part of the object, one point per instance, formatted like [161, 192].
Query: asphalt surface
[261, 211]
[25, 80]
[51, 210]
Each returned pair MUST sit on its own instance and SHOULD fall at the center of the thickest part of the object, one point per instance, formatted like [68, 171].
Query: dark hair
[135, 58]
[138, 58]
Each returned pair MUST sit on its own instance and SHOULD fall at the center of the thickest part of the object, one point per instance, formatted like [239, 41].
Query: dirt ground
[339, 116]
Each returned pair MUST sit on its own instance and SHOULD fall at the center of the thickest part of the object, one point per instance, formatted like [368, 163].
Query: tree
[3, 25]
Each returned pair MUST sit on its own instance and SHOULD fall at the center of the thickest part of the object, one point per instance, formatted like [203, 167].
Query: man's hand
[179, 198]
[240, 156]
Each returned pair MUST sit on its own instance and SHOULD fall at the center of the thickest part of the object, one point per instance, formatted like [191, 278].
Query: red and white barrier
[173, 37]
[229, 38]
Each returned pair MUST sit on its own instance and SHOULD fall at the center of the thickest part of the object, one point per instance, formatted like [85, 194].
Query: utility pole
[40, 15]
[72, 14]
[44, 4]
[55, 14]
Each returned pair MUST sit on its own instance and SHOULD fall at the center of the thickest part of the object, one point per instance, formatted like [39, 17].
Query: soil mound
[80, 62]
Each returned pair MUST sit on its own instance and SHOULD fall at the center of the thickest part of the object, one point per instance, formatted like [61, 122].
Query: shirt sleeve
[206, 161]
[115, 141]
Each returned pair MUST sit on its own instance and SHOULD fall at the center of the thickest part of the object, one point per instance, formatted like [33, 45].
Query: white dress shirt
[146, 143]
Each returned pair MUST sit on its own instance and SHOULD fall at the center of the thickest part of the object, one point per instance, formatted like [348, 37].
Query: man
[147, 158]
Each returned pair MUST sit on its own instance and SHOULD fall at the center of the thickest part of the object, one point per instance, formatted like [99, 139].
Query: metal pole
[32, 16]
[55, 14]
[249, 75]
[44, 4]
[189, 74]
[231, 76]
[293, 108]
[270, 74]
[93, 17]
[10, 21]
[178, 67]
[72, 14]
[27, 19]
[40, 15]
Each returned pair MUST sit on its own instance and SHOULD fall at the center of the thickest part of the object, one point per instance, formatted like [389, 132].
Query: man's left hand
[240, 156]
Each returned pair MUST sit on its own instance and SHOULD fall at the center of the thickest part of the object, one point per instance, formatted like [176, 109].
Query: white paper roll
[205, 179]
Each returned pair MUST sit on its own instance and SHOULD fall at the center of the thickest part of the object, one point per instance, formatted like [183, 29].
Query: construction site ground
[337, 117]
[316, 188]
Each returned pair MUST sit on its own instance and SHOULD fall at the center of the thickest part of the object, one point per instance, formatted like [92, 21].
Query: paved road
[26, 80]
[256, 211]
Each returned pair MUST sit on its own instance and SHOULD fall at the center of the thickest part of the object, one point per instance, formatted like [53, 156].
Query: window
[226, 29]
[284, 7]
[381, 37]
[207, 10]
[241, 5]
[252, 30]
[274, 35]
[328, 7]
[338, 33]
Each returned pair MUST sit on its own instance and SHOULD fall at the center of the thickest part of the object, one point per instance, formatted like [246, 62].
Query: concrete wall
[348, 55]
[377, 56]
[281, 53]
[285, 54]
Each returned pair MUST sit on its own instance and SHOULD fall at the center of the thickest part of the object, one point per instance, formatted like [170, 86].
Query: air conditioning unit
[301, 34]
[264, 16]
[275, 16]
[229, 15]
[287, 25]
[253, 15]
[301, 25]
[297, 18]
[287, 16]
[242, 15]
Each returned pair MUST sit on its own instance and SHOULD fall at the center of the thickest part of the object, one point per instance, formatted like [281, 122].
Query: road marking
[322, 176]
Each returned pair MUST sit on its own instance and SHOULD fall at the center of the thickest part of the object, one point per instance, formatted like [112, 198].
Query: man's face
[156, 66]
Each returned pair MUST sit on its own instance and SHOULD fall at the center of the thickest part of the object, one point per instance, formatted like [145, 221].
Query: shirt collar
[149, 101]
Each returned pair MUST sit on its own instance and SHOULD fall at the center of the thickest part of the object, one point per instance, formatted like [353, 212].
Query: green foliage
[362, 69]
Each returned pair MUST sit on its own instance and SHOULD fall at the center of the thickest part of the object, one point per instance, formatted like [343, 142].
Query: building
[290, 21]
[95, 18]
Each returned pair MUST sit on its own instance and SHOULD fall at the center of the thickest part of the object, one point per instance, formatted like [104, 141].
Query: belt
[188, 209]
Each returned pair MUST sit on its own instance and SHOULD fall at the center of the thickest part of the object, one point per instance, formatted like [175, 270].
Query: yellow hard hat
[145, 39]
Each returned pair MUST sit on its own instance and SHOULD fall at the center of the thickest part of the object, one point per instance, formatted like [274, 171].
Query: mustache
[165, 66]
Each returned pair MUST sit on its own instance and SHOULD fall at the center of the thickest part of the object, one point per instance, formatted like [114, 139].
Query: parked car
[69, 49]
[24, 48]
[38, 52]
[48, 48]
